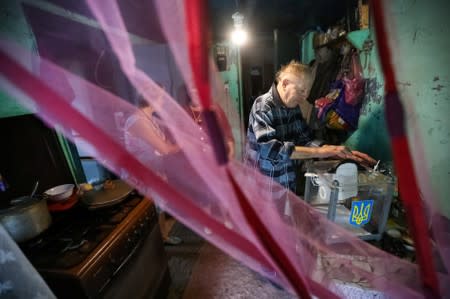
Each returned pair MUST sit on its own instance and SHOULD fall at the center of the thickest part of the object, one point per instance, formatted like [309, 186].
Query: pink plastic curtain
[118, 75]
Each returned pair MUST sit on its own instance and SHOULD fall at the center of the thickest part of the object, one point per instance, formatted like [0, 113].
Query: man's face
[295, 89]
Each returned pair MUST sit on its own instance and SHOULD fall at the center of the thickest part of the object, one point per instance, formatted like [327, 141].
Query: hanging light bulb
[239, 36]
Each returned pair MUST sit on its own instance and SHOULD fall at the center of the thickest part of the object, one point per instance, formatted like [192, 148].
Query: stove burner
[74, 235]
[74, 245]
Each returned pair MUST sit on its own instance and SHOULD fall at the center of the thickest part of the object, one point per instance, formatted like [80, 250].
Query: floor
[182, 259]
[200, 270]
[216, 275]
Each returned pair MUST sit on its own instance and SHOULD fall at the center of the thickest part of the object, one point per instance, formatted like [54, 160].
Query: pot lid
[17, 204]
[117, 191]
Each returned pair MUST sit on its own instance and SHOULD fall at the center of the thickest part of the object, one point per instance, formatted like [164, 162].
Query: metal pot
[25, 218]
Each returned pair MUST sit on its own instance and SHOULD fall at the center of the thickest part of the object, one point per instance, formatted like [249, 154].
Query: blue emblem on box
[361, 212]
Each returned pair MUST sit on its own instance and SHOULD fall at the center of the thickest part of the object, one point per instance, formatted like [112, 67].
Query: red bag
[334, 111]
[354, 82]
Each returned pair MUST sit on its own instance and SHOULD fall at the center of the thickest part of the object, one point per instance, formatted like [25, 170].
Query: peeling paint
[438, 87]
[404, 83]
[372, 91]
[372, 95]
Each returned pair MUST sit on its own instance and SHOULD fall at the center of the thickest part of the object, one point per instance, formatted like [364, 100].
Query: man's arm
[305, 152]
[326, 151]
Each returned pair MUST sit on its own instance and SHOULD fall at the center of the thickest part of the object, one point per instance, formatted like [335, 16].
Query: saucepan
[25, 217]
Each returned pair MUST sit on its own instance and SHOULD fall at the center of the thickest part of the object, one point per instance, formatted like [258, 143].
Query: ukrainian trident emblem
[361, 212]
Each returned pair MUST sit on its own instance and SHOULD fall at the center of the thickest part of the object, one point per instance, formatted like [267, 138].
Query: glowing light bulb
[239, 37]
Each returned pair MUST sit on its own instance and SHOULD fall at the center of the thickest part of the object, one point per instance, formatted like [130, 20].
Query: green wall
[421, 44]
[10, 107]
[307, 51]
[233, 85]
[230, 76]
[371, 136]
[14, 28]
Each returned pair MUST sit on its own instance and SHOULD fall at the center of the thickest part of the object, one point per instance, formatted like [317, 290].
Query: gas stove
[88, 254]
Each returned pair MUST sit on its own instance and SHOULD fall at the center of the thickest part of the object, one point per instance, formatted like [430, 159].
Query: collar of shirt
[276, 96]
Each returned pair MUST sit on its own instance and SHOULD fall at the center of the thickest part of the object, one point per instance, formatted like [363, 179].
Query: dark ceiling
[263, 16]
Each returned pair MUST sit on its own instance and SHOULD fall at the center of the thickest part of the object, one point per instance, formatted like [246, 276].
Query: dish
[60, 193]
[59, 206]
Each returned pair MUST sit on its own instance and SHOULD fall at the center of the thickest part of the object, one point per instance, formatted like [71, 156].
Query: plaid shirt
[273, 132]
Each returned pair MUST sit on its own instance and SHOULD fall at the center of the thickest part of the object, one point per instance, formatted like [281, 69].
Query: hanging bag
[354, 82]
[339, 109]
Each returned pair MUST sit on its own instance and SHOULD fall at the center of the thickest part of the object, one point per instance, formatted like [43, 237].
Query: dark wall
[261, 58]
[257, 70]
[286, 47]
[30, 151]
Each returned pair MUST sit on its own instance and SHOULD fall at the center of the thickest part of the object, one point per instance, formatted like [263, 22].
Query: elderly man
[278, 131]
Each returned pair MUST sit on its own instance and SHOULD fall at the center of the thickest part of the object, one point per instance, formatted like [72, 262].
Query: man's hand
[364, 158]
[344, 153]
